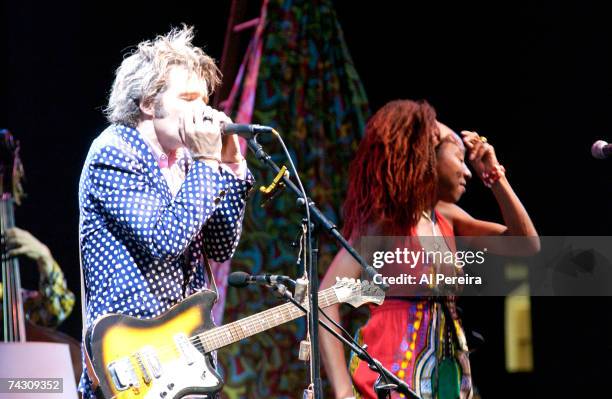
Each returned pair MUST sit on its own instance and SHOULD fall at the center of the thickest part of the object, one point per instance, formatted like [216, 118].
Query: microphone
[601, 150]
[242, 279]
[244, 130]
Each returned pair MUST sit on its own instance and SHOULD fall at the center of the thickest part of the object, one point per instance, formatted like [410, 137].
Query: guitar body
[153, 358]
[170, 356]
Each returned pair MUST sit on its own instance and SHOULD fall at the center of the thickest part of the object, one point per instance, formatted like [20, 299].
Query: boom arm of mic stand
[331, 228]
[313, 318]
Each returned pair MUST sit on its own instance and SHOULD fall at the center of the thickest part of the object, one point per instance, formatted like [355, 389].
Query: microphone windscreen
[238, 279]
[597, 149]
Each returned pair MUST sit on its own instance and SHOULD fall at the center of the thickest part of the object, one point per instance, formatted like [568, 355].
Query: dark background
[535, 78]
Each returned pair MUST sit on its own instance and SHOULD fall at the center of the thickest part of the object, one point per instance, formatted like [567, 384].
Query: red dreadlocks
[392, 179]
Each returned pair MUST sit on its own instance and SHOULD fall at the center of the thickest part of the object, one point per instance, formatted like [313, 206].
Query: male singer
[161, 191]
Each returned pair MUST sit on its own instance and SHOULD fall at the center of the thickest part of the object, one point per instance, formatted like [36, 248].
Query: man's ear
[147, 107]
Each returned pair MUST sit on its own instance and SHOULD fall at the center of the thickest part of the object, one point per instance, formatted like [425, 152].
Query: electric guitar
[169, 356]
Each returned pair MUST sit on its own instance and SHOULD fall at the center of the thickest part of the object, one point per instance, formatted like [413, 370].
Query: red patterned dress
[419, 341]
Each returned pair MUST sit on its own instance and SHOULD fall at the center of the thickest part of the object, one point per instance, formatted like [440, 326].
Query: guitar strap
[212, 284]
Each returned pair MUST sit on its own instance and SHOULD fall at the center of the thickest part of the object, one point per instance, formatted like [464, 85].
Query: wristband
[490, 177]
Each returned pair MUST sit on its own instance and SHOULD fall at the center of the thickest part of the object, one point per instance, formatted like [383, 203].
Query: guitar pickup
[146, 377]
[186, 349]
[123, 374]
[150, 362]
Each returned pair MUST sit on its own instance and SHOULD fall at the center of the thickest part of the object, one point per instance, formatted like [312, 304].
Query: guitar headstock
[11, 169]
[357, 292]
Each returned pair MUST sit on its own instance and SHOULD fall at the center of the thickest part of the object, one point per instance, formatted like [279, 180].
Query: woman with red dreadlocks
[408, 174]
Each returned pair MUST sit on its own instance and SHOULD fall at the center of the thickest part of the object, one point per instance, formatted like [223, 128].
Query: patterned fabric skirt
[416, 341]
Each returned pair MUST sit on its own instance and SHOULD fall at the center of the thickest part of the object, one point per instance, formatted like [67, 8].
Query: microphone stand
[392, 381]
[330, 228]
[313, 315]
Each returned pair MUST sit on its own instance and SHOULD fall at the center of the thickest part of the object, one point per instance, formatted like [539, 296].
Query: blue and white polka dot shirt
[143, 248]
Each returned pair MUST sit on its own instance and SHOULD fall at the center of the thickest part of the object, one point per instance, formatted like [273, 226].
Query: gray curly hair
[143, 75]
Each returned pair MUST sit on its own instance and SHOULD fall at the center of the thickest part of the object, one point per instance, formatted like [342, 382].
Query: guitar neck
[219, 337]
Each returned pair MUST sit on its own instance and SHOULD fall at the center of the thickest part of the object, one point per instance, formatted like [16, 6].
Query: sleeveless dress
[420, 339]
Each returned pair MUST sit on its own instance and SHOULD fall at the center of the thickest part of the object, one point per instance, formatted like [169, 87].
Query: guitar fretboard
[221, 336]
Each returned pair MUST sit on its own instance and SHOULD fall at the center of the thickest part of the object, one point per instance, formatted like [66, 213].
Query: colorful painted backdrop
[308, 89]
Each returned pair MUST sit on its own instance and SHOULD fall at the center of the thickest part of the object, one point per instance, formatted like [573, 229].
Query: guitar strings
[289, 308]
[13, 319]
[217, 336]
